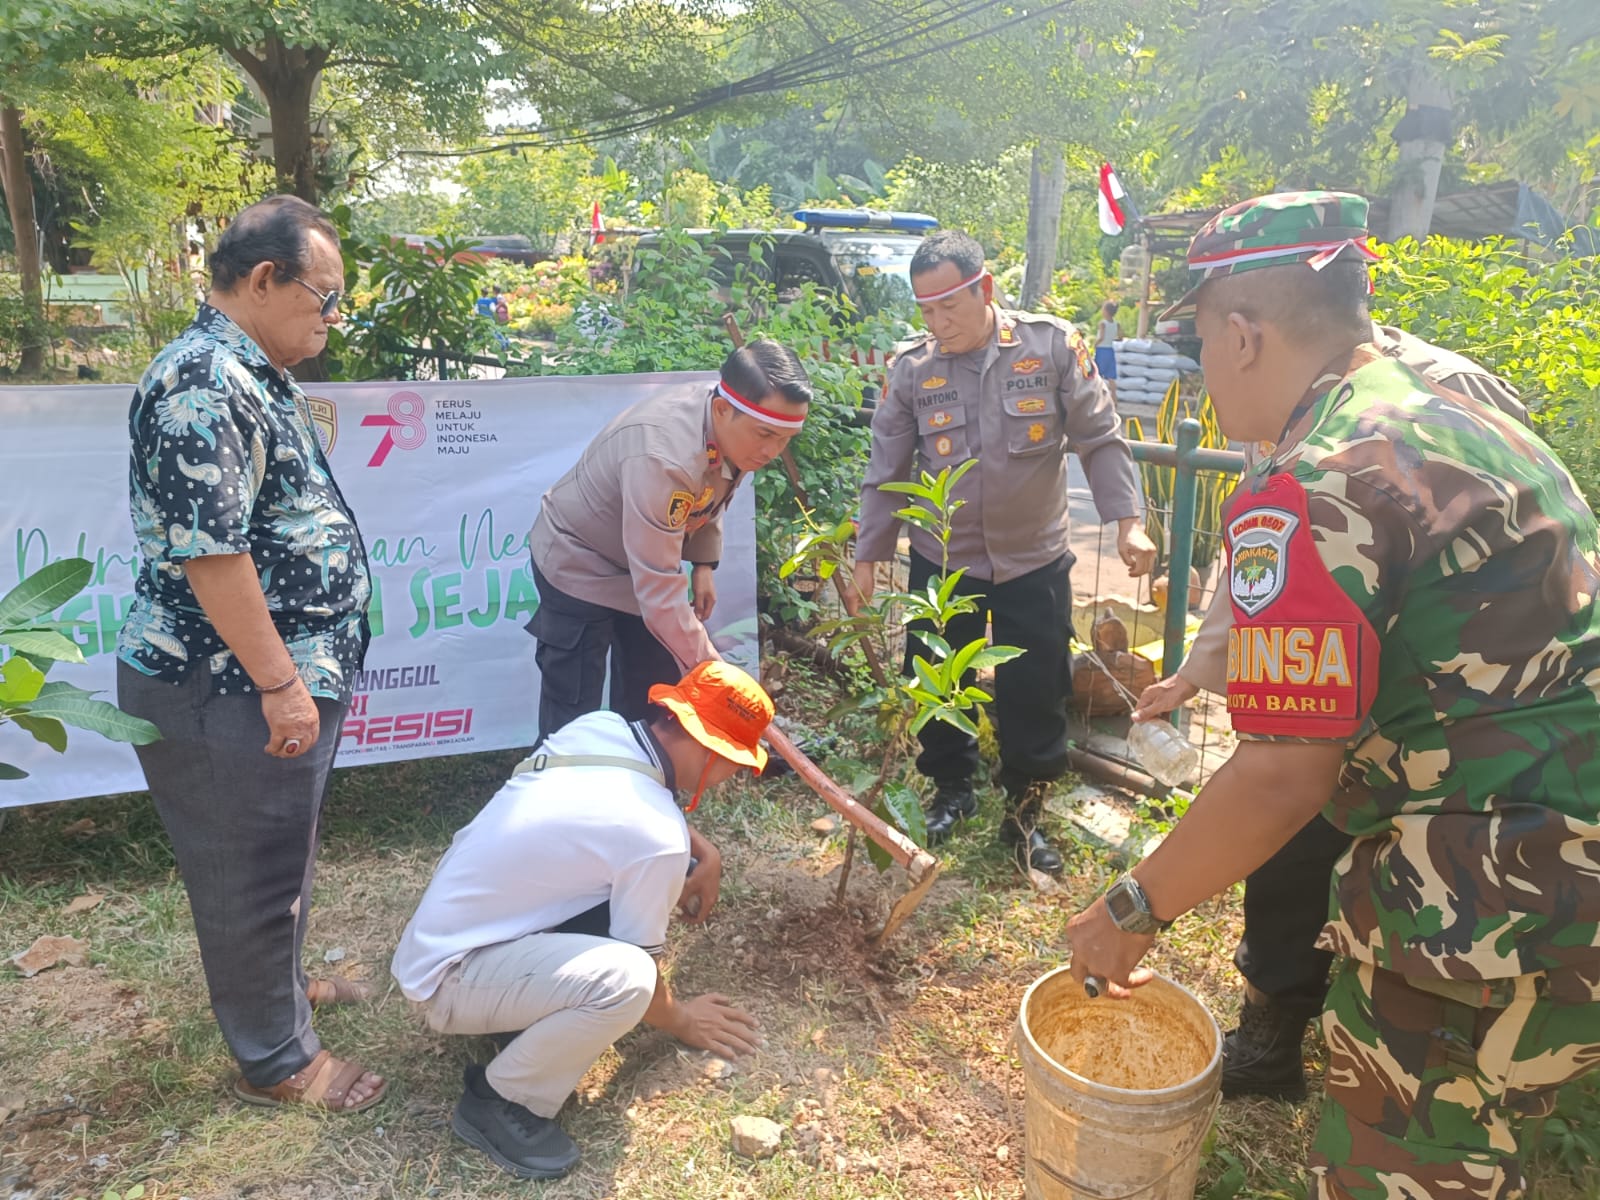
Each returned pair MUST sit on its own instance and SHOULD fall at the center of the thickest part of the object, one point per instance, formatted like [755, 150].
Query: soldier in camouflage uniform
[1413, 579]
[1286, 898]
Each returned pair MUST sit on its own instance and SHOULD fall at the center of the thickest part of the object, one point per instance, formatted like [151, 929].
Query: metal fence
[1184, 520]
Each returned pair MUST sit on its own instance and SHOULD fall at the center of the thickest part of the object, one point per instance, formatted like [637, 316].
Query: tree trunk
[1047, 185]
[18, 186]
[1423, 134]
[287, 78]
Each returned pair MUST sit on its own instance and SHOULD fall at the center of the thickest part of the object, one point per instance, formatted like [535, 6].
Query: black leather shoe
[1019, 829]
[1264, 1056]
[527, 1145]
[953, 802]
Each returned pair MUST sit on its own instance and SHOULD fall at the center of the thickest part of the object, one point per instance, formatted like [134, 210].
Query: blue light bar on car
[865, 218]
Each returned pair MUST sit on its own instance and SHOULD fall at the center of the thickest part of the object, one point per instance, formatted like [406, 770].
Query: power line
[825, 64]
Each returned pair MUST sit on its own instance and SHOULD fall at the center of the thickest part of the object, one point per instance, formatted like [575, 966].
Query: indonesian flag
[1112, 218]
[597, 227]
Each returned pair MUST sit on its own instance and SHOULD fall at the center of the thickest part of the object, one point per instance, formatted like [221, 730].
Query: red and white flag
[1112, 218]
[597, 227]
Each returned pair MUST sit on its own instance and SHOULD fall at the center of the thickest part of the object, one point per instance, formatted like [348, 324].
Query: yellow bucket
[1120, 1093]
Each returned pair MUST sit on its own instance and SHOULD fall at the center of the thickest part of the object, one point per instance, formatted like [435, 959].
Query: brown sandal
[324, 993]
[323, 1083]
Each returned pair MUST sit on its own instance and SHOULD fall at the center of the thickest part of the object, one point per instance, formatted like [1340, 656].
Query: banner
[445, 481]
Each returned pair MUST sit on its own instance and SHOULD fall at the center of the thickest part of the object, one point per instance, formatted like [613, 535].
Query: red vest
[1302, 657]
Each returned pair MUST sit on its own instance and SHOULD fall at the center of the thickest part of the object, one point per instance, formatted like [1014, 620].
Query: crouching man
[545, 916]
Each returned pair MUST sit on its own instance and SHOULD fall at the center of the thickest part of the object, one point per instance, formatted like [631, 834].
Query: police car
[859, 253]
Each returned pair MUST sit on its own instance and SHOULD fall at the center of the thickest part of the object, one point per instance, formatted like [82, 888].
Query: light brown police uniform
[609, 544]
[1017, 405]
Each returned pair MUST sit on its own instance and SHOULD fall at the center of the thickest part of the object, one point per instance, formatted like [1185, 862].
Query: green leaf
[20, 681]
[903, 809]
[42, 643]
[46, 590]
[44, 729]
[994, 656]
[960, 720]
[74, 706]
[8, 773]
[928, 675]
[964, 657]
[877, 855]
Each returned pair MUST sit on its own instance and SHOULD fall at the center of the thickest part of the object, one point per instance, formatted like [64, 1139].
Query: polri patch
[1258, 562]
[678, 509]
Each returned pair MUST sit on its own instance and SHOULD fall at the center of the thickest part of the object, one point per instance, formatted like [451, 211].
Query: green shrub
[1535, 323]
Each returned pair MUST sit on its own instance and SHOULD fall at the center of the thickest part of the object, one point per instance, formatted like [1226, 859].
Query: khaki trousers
[570, 995]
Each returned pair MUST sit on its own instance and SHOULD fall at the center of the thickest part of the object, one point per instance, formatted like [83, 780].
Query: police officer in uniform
[1286, 898]
[613, 533]
[1413, 579]
[1015, 391]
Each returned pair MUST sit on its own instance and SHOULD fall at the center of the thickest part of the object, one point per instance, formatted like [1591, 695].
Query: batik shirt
[1416, 573]
[225, 460]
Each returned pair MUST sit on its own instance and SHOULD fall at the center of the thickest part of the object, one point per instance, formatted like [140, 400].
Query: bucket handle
[1178, 1158]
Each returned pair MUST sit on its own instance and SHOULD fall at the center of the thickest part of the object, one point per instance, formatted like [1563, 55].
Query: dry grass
[894, 1073]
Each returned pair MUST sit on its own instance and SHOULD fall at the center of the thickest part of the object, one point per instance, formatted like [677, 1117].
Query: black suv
[860, 253]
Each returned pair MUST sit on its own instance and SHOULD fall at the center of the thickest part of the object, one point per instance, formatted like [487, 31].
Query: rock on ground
[756, 1137]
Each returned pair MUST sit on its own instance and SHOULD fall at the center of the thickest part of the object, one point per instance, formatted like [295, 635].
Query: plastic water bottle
[1164, 752]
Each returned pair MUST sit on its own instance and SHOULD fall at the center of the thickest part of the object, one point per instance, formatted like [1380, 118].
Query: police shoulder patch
[1084, 355]
[678, 509]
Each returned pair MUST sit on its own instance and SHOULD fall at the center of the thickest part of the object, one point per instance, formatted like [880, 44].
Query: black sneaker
[527, 1145]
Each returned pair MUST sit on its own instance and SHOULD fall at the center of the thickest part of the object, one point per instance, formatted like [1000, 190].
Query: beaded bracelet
[278, 687]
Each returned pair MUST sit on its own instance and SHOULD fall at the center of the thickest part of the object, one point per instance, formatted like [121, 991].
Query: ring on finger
[292, 746]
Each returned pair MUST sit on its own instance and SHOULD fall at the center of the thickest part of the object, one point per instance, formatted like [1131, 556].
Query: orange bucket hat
[722, 708]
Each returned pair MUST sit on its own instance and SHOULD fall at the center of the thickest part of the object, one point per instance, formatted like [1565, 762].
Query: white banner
[445, 481]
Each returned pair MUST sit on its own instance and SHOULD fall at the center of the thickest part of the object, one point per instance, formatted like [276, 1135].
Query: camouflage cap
[1315, 228]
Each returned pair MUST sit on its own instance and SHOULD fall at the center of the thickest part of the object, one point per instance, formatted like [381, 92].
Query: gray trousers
[570, 994]
[244, 828]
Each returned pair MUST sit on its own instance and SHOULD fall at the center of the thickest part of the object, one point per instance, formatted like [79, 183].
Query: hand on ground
[711, 1023]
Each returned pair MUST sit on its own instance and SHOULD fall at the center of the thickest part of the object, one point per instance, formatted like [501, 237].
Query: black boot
[1019, 829]
[1263, 1056]
[951, 803]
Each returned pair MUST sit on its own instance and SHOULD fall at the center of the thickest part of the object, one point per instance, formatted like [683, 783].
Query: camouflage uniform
[1416, 574]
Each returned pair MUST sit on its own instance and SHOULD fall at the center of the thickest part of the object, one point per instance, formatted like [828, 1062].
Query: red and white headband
[751, 409]
[951, 291]
[1321, 254]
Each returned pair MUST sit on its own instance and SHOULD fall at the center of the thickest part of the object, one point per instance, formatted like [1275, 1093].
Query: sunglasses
[330, 300]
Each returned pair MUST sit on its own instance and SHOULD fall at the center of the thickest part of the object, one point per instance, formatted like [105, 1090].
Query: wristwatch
[1130, 908]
